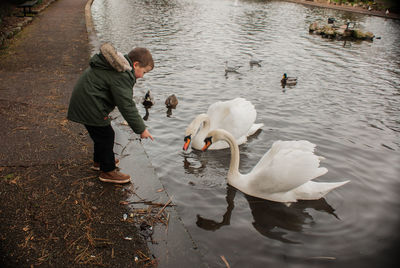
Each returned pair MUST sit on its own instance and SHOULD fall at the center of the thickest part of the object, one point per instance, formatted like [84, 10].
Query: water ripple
[347, 101]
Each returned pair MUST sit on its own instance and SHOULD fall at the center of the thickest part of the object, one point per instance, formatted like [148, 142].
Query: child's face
[140, 71]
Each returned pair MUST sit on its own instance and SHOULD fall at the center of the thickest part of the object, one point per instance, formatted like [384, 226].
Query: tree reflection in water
[271, 219]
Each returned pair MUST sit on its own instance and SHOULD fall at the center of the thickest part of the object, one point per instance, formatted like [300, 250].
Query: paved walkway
[53, 210]
[37, 76]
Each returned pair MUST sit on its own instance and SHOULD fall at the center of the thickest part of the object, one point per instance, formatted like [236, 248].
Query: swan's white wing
[236, 116]
[315, 190]
[277, 146]
[285, 168]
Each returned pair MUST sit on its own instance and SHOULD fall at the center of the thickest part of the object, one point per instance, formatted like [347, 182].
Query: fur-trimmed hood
[110, 57]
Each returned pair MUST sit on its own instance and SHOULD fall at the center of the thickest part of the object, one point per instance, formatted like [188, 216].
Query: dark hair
[141, 55]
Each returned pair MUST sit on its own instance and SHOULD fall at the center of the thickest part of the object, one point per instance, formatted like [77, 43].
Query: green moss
[358, 34]
[9, 176]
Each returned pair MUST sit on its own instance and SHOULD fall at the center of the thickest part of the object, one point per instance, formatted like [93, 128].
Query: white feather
[283, 174]
[236, 116]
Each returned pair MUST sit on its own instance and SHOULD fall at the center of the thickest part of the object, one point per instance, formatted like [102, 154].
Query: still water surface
[347, 101]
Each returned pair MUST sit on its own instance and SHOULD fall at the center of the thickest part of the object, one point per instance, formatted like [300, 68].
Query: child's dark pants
[103, 138]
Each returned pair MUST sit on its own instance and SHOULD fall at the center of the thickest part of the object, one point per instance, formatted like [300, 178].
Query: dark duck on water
[148, 100]
[171, 102]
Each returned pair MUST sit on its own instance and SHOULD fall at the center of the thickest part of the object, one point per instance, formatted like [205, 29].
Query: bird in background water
[231, 69]
[171, 102]
[288, 81]
[255, 63]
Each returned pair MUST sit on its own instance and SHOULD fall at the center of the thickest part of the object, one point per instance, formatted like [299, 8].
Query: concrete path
[39, 70]
[37, 75]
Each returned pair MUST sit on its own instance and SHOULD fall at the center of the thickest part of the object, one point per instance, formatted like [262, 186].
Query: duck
[171, 101]
[331, 20]
[284, 174]
[255, 62]
[288, 81]
[231, 69]
[237, 116]
[148, 100]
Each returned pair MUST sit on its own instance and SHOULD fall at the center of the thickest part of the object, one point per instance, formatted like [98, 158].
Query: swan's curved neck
[199, 131]
[203, 118]
[235, 155]
[196, 123]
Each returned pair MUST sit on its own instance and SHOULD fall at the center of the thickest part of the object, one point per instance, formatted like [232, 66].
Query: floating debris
[146, 231]
[346, 32]
[323, 258]
[225, 261]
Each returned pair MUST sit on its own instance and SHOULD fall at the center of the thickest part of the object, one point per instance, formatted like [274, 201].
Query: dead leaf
[14, 181]
[21, 128]
[64, 122]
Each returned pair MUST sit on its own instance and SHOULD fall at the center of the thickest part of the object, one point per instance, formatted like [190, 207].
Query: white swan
[284, 173]
[236, 116]
[231, 69]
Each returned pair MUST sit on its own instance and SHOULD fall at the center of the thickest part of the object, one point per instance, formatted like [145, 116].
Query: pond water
[347, 101]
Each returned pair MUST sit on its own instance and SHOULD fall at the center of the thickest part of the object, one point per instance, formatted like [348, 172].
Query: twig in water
[323, 258]
[166, 224]
[161, 210]
[149, 203]
[225, 261]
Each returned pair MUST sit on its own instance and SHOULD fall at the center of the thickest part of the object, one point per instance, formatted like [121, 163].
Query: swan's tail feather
[254, 129]
[316, 190]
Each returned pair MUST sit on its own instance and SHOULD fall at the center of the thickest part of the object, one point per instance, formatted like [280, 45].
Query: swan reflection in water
[193, 167]
[271, 219]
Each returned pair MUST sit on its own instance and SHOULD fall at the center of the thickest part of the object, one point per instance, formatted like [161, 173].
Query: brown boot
[96, 165]
[114, 176]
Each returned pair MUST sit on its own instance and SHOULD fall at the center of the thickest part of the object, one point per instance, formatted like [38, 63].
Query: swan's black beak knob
[187, 140]
[207, 144]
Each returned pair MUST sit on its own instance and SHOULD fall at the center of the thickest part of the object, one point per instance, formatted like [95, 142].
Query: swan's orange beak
[207, 144]
[187, 140]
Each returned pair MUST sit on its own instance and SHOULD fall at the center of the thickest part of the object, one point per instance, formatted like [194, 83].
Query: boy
[107, 83]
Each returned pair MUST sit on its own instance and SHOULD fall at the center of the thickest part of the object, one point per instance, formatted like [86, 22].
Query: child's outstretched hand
[146, 134]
